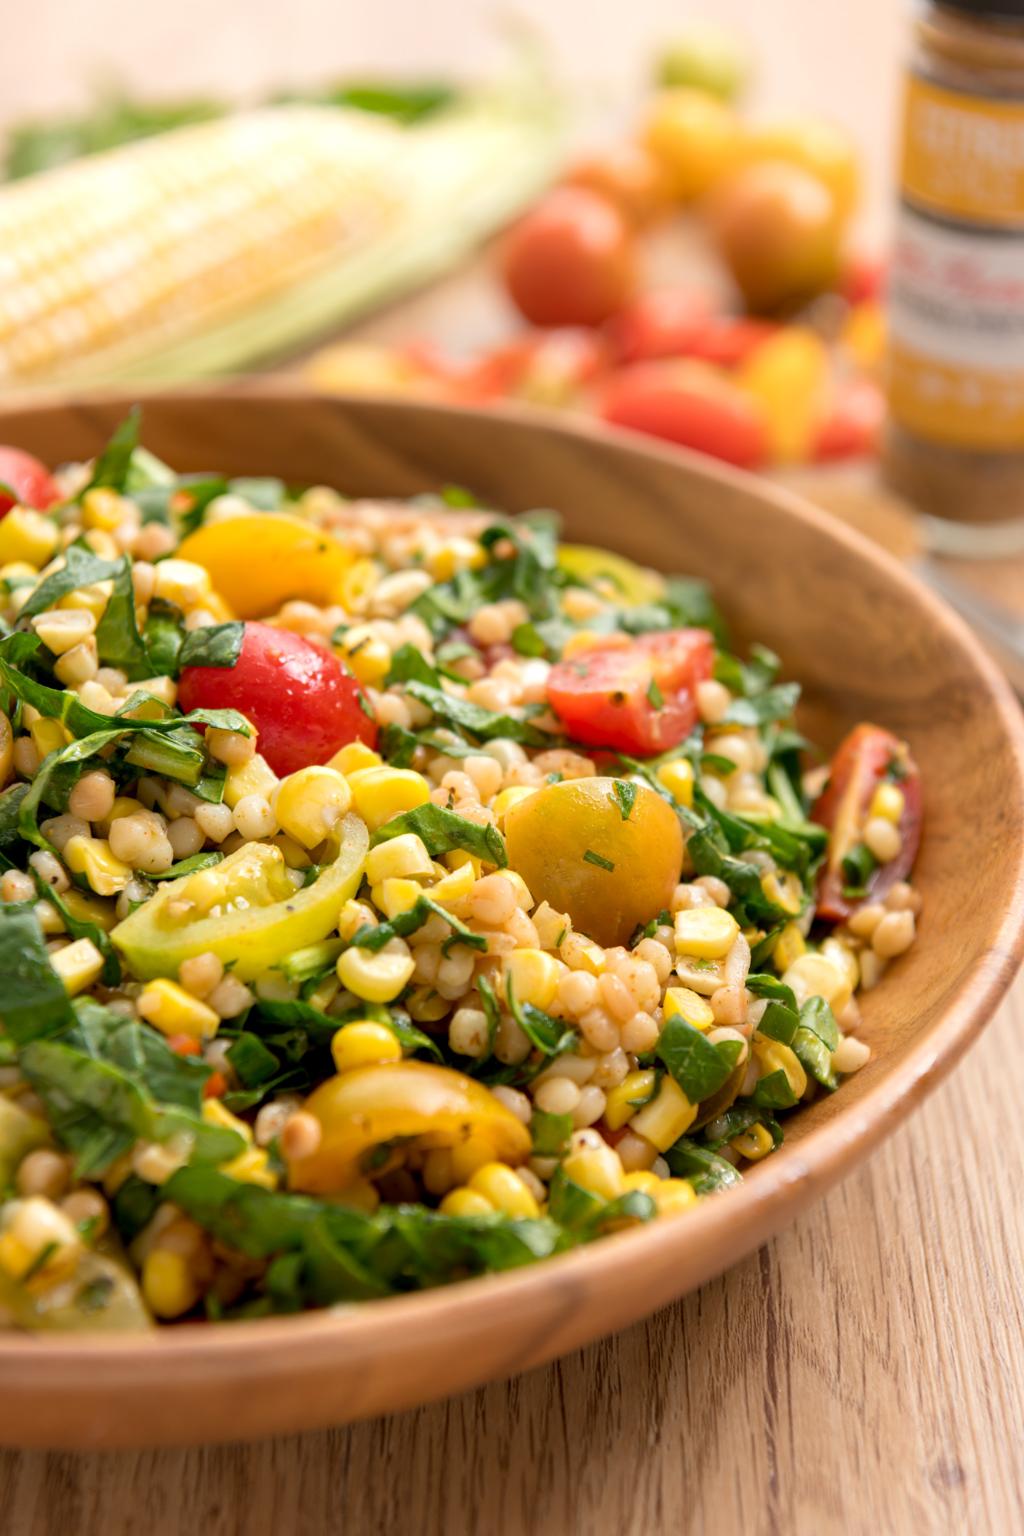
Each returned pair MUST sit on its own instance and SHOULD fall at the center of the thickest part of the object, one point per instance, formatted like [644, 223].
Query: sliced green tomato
[632, 583]
[100, 1297]
[372, 1106]
[246, 910]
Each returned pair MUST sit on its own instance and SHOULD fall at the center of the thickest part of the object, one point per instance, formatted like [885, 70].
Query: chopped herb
[442, 830]
[590, 857]
[218, 645]
[655, 697]
[625, 793]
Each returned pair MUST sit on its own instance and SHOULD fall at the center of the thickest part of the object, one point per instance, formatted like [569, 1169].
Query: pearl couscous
[392, 893]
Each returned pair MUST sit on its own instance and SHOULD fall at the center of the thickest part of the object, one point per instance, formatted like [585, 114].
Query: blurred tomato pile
[769, 356]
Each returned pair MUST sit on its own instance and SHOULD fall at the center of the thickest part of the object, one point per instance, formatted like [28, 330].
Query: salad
[391, 893]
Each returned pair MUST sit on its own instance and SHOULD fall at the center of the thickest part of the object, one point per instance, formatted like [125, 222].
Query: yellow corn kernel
[582, 640]
[375, 978]
[666, 1118]
[217, 1113]
[466, 1202]
[102, 508]
[532, 976]
[124, 805]
[79, 965]
[643, 1180]
[789, 946]
[254, 777]
[468, 1156]
[365, 654]
[505, 1191]
[524, 898]
[360, 1196]
[402, 858]
[38, 1233]
[363, 1044]
[784, 889]
[309, 803]
[674, 1195]
[358, 583]
[173, 1011]
[597, 1169]
[27, 536]
[91, 857]
[353, 916]
[353, 756]
[627, 1097]
[586, 955]
[251, 1167]
[92, 599]
[845, 961]
[455, 554]
[90, 909]
[753, 1143]
[394, 896]
[773, 1056]
[677, 778]
[688, 1005]
[168, 1284]
[48, 736]
[182, 582]
[506, 798]
[427, 1006]
[707, 932]
[812, 975]
[458, 858]
[887, 802]
[454, 887]
[382, 793]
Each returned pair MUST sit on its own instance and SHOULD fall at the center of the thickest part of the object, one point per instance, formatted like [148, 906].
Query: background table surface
[861, 1374]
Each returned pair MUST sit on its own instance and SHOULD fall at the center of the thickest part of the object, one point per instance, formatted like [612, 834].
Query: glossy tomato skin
[303, 702]
[859, 765]
[663, 323]
[689, 404]
[852, 427]
[569, 261]
[637, 698]
[28, 479]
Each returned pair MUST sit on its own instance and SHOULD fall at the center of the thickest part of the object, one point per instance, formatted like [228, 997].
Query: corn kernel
[643, 1180]
[674, 1195]
[48, 736]
[363, 1044]
[91, 857]
[375, 978]
[382, 793]
[887, 802]
[173, 1011]
[27, 536]
[365, 654]
[812, 975]
[254, 777]
[358, 583]
[455, 554]
[90, 909]
[506, 798]
[124, 805]
[753, 1143]
[707, 932]
[845, 961]
[394, 896]
[102, 508]
[353, 916]
[427, 1006]
[454, 887]
[404, 858]
[182, 582]
[666, 1118]
[251, 1167]
[466, 1202]
[773, 1056]
[687, 1005]
[677, 778]
[168, 1284]
[784, 889]
[79, 965]
[532, 977]
[217, 1113]
[596, 1169]
[353, 756]
[627, 1097]
[789, 946]
[309, 803]
[502, 1187]
[92, 599]
[35, 1228]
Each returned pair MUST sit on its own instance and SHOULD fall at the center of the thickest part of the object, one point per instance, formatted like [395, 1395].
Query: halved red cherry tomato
[569, 261]
[864, 759]
[851, 428]
[30, 481]
[663, 323]
[727, 341]
[691, 404]
[637, 698]
[303, 702]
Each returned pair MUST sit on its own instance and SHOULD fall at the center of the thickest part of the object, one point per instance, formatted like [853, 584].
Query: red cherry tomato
[728, 342]
[27, 478]
[570, 260]
[862, 278]
[637, 698]
[864, 759]
[852, 427]
[664, 323]
[689, 404]
[303, 702]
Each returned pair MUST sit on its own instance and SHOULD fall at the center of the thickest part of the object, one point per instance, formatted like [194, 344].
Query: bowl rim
[810, 1166]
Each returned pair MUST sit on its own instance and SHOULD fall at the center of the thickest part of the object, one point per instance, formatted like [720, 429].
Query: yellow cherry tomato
[259, 560]
[815, 145]
[577, 850]
[628, 583]
[788, 375]
[371, 1106]
[696, 137]
[246, 910]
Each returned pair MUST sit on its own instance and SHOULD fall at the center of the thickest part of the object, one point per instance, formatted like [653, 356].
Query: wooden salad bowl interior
[864, 639]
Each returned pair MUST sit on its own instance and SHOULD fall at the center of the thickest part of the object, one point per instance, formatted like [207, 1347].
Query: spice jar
[955, 445]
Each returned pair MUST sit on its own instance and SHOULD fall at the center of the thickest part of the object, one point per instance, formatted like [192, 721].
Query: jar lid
[986, 10]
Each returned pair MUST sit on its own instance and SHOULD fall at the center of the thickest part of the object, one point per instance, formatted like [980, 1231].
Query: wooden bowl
[866, 641]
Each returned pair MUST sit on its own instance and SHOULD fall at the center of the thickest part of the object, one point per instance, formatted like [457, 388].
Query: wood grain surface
[860, 1374]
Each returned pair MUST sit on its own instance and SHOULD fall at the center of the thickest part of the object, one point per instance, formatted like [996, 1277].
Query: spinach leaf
[405, 923]
[322, 1027]
[81, 568]
[486, 724]
[548, 1035]
[776, 703]
[409, 665]
[117, 634]
[705, 1169]
[773, 1092]
[164, 635]
[34, 1001]
[218, 645]
[699, 1067]
[398, 745]
[550, 1133]
[442, 831]
[112, 467]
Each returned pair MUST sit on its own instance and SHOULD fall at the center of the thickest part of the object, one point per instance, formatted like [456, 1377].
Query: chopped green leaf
[442, 830]
[590, 857]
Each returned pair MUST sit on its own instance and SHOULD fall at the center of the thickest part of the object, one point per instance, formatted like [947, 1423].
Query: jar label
[963, 155]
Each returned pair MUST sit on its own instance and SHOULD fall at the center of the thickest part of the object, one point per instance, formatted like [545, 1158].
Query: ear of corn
[214, 245]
